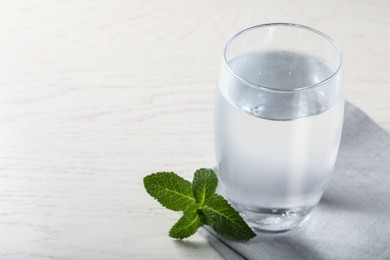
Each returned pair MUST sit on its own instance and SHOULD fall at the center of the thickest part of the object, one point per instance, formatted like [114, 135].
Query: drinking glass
[278, 118]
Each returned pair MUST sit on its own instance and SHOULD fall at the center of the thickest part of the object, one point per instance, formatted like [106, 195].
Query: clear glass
[278, 118]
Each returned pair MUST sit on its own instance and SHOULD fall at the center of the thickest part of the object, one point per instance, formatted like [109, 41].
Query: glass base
[274, 220]
[269, 220]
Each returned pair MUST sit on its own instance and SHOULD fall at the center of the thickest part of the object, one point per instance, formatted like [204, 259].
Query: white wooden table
[94, 95]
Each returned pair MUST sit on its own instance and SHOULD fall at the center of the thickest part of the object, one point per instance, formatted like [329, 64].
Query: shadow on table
[192, 244]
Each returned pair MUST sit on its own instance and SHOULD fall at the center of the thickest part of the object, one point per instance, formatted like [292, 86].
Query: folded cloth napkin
[352, 220]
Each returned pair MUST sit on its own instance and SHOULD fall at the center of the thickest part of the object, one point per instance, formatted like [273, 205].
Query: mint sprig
[199, 203]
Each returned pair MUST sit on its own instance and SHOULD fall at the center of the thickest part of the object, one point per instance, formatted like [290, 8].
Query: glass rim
[269, 89]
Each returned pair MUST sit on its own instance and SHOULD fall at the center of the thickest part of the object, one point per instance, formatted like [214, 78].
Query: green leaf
[224, 219]
[171, 190]
[204, 184]
[187, 224]
[202, 216]
[200, 204]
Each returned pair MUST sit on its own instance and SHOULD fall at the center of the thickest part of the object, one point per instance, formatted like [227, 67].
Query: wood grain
[94, 95]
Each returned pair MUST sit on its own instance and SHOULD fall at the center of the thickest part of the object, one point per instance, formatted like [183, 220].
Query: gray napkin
[352, 220]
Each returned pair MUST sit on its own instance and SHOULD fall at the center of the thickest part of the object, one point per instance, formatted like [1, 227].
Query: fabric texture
[352, 220]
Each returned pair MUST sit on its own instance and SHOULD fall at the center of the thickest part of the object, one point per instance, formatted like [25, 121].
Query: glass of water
[279, 109]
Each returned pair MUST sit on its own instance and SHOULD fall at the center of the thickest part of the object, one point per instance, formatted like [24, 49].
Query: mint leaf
[204, 185]
[171, 190]
[224, 219]
[199, 203]
[187, 224]
[202, 216]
